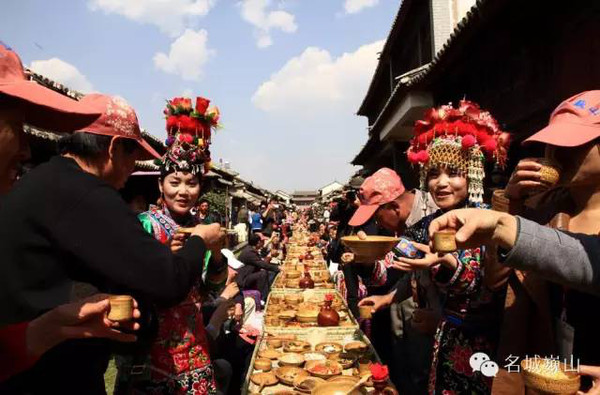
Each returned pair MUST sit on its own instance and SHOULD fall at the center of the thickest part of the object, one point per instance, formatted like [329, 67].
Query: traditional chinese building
[517, 59]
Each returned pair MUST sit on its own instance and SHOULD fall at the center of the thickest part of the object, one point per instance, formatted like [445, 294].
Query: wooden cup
[444, 241]
[365, 311]
[121, 308]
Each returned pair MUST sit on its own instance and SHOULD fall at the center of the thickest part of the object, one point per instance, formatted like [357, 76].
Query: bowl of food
[291, 274]
[329, 348]
[287, 374]
[314, 356]
[307, 315]
[287, 315]
[263, 364]
[269, 353]
[264, 379]
[296, 346]
[549, 376]
[369, 248]
[307, 384]
[274, 343]
[293, 283]
[356, 347]
[291, 359]
[324, 369]
[293, 299]
[346, 359]
[275, 299]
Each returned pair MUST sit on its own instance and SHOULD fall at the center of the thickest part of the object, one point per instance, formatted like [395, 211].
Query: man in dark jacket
[256, 273]
[65, 222]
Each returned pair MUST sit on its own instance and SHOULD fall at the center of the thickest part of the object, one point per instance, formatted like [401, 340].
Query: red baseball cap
[42, 107]
[574, 122]
[382, 187]
[118, 119]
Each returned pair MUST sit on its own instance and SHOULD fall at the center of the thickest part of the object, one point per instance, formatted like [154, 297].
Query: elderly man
[21, 101]
[66, 222]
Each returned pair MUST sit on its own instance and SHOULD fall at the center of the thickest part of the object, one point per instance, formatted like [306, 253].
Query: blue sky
[288, 76]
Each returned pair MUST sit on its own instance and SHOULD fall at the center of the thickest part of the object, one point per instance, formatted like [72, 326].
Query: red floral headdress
[189, 131]
[461, 138]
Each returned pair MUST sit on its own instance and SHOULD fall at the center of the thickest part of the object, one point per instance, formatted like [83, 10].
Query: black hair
[203, 200]
[164, 173]
[90, 145]
[253, 240]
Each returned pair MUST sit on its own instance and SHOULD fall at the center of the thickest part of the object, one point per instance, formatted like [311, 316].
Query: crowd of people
[521, 283]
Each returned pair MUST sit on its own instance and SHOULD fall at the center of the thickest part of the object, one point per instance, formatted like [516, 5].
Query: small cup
[365, 311]
[364, 366]
[121, 308]
[263, 364]
[444, 241]
[550, 172]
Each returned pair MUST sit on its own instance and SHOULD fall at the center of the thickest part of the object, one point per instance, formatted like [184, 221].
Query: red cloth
[13, 350]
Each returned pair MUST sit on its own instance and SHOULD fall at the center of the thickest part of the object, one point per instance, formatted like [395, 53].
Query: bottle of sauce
[306, 282]
[328, 316]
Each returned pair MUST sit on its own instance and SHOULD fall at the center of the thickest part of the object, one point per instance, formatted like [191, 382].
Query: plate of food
[329, 347]
[347, 360]
[264, 379]
[287, 374]
[291, 359]
[296, 346]
[269, 353]
[314, 356]
[357, 347]
[324, 369]
[307, 384]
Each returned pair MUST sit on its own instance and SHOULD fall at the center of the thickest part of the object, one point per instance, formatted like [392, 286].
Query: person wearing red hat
[384, 198]
[534, 324]
[64, 222]
[24, 101]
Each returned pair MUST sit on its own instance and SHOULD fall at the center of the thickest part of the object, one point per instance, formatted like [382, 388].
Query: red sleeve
[13, 350]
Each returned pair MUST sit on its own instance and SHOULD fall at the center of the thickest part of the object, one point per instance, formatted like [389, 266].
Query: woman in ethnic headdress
[178, 359]
[450, 147]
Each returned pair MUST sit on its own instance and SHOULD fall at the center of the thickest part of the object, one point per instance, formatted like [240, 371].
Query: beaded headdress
[458, 138]
[189, 132]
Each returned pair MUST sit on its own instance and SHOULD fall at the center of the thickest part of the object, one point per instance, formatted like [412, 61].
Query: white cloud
[256, 13]
[187, 56]
[64, 73]
[171, 16]
[315, 82]
[356, 6]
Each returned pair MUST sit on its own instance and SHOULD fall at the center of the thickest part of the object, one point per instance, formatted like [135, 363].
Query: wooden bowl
[329, 347]
[324, 369]
[269, 353]
[371, 249]
[305, 316]
[292, 274]
[356, 347]
[307, 384]
[540, 375]
[291, 359]
[264, 379]
[346, 359]
[287, 374]
[314, 356]
[274, 343]
[296, 346]
[263, 364]
[293, 299]
[293, 283]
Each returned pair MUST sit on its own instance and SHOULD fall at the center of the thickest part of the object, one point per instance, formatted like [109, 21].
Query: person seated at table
[256, 273]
